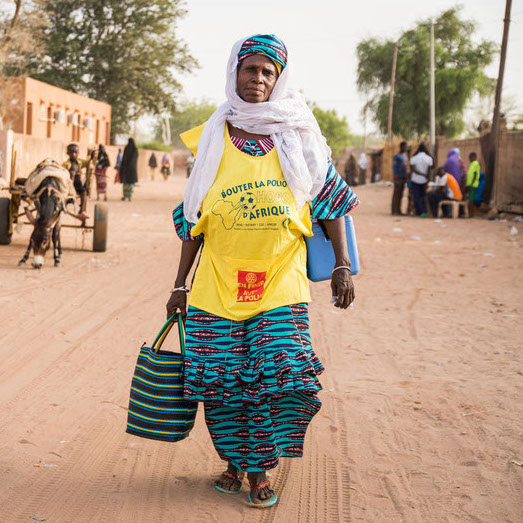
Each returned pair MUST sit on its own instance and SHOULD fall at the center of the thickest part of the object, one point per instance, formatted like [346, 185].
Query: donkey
[49, 203]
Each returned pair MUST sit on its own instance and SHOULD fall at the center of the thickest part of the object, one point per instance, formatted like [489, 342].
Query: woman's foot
[262, 494]
[230, 481]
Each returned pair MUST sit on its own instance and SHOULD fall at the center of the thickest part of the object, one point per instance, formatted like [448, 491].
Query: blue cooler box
[320, 254]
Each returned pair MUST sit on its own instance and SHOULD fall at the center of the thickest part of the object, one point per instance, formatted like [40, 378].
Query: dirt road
[421, 417]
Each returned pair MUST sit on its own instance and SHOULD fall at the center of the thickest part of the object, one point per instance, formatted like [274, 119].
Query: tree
[335, 129]
[20, 27]
[459, 65]
[187, 115]
[123, 52]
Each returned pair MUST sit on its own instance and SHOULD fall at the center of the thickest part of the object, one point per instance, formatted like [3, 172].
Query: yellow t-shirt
[254, 255]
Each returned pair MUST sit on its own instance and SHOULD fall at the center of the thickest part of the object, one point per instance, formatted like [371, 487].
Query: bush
[156, 145]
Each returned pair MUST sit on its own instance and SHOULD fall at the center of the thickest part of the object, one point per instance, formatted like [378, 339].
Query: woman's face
[256, 79]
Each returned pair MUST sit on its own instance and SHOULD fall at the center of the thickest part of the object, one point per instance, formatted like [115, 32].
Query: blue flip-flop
[227, 474]
[263, 504]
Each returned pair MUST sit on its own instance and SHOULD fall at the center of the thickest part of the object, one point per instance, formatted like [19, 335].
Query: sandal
[265, 503]
[230, 475]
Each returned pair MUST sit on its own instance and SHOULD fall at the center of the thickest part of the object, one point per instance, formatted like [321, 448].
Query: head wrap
[302, 149]
[269, 45]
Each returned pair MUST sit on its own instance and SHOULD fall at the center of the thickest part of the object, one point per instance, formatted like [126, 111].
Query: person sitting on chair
[445, 187]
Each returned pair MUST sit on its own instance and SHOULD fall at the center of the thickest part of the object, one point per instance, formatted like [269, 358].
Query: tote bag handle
[158, 342]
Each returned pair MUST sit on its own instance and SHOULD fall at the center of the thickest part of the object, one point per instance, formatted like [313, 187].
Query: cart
[13, 197]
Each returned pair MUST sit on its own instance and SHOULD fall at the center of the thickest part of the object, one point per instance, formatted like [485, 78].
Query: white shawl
[302, 149]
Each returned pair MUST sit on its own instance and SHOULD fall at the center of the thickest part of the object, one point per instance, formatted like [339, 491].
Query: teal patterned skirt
[258, 381]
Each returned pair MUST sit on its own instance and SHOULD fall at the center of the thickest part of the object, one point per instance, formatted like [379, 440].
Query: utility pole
[391, 95]
[365, 128]
[432, 94]
[493, 146]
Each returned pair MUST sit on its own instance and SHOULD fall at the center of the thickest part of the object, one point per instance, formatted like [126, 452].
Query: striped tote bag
[157, 408]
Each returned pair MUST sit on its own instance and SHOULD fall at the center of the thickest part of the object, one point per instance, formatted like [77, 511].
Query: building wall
[12, 102]
[46, 111]
[508, 179]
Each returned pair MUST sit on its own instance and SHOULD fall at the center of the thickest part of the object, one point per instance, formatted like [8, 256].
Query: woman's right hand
[177, 302]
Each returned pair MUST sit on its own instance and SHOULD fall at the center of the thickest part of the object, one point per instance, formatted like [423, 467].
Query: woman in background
[128, 169]
[153, 164]
[166, 166]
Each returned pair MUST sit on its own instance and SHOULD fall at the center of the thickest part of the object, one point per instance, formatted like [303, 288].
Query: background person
[75, 165]
[399, 168]
[421, 164]
[363, 164]
[473, 176]
[100, 172]
[189, 163]
[117, 165]
[128, 169]
[153, 165]
[166, 166]
[445, 187]
[453, 165]
[350, 170]
[258, 384]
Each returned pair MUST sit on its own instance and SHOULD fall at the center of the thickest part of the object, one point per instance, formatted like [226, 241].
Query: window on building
[49, 122]
[97, 132]
[107, 135]
[29, 119]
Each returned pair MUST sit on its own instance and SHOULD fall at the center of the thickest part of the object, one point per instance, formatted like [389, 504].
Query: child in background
[75, 166]
[102, 163]
[472, 181]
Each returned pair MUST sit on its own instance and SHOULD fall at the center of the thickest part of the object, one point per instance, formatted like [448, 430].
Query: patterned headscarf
[269, 45]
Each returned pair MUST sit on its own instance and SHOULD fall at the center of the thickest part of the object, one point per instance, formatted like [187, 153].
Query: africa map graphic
[229, 212]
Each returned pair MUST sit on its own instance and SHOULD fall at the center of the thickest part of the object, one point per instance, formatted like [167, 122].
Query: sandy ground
[421, 417]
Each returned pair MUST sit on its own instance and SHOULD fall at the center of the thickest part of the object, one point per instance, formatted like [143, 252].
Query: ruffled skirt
[258, 380]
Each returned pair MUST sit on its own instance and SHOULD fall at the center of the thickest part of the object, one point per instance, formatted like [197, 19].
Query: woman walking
[153, 164]
[128, 169]
[100, 172]
[166, 166]
[262, 170]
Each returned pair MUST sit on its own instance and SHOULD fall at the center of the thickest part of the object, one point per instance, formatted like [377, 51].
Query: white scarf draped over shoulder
[302, 149]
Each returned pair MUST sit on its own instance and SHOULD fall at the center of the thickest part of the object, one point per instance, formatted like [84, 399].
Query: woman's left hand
[342, 288]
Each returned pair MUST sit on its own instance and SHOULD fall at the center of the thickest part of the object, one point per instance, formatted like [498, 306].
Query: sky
[321, 38]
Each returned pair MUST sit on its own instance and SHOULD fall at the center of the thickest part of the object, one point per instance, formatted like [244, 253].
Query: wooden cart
[16, 197]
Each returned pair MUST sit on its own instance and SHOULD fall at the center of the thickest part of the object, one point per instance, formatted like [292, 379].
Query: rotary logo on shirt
[250, 285]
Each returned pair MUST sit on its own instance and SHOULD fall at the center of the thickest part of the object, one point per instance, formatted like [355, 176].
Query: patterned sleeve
[335, 199]
[182, 226]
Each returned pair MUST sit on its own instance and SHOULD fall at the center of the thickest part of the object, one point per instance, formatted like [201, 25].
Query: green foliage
[517, 123]
[155, 145]
[187, 115]
[333, 127]
[459, 74]
[20, 29]
[123, 52]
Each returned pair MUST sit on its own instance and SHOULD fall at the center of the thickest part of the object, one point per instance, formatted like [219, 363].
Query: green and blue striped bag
[157, 408]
